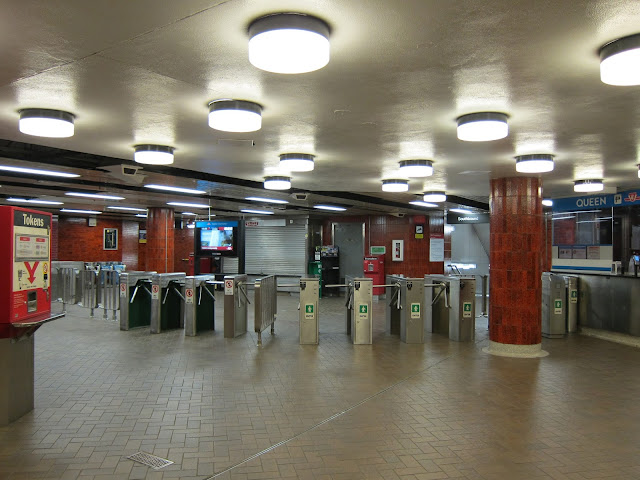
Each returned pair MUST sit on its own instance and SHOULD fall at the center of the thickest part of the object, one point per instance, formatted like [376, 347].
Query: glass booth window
[582, 228]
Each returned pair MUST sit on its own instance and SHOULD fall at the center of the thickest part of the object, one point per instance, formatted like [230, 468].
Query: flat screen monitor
[217, 239]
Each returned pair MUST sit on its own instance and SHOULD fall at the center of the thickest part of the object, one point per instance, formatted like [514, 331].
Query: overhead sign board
[454, 218]
[590, 202]
[216, 224]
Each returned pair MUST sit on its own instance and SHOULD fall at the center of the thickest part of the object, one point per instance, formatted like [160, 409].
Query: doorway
[349, 238]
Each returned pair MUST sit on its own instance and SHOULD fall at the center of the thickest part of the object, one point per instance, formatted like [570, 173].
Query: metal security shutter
[274, 250]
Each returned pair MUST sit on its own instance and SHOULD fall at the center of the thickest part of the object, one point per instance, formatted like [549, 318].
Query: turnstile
[135, 299]
[450, 306]
[405, 310]
[554, 311]
[359, 314]
[309, 295]
[235, 305]
[167, 301]
[572, 303]
[199, 304]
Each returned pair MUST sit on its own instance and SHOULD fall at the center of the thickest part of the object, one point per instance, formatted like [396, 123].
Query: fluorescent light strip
[90, 212]
[420, 203]
[332, 208]
[563, 218]
[460, 210]
[94, 195]
[141, 215]
[266, 200]
[189, 214]
[599, 219]
[169, 188]
[36, 171]
[128, 209]
[34, 201]
[259, 212]
[191, 205]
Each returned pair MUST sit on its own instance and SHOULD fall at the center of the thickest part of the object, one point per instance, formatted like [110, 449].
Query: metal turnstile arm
[204, 287]
[177, 292]
[243, 294]
[443, 290]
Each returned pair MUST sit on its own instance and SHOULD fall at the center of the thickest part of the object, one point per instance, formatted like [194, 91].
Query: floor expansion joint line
[327, 420]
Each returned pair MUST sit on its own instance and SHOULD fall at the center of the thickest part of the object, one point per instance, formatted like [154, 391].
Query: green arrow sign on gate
[415, 310]
[308, 311]
[363, 308]
[466, 309]
[557, 306]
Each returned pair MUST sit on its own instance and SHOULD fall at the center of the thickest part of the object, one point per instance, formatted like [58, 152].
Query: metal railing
[89, 289]
[65, 286]
[266, 305]
[109, 292]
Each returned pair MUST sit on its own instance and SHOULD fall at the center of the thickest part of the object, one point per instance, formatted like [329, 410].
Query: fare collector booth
[25, 287]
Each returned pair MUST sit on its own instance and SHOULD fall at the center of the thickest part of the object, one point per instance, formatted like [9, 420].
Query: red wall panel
[183, 245]
[77, 241]
[129, 243]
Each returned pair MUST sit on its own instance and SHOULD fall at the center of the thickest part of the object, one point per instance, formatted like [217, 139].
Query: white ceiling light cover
[297, 162]
[590, 185]
[620, 61]
[289, 43]
[277, 183]
[235, 115]
[42, 122]
[436, 196]
[395, 185]
[153, 154]
[547, 202]
[416, 168]
[536, 163]
[482, 127]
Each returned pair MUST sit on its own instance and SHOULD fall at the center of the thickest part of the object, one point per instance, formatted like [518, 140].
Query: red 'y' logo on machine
[632, 197]
[31, 270]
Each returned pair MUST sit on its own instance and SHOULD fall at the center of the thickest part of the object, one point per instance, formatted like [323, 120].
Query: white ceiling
[400, 73]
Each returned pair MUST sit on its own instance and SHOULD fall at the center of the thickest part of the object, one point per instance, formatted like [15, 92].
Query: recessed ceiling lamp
[190, 205]
[435, 196]
[482, 126]
[419, 203]
[620, 61]
[89, 212]
[547, 202]
[590, 185]
[235, 115]
[289, 43]
[189, 214]
[37, 171]
[153, 154]
[43, 122]
[395, 185]
[296, 162]
[94, 195]
[34, 201]
[170, 188]
[258, 212]
[332, 208]
[460, 210]
[536, 163]
[266, 200]
[277, 183]
[416, 168]
[128, 209]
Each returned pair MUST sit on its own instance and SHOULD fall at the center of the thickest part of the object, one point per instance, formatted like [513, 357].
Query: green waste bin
[315, 269]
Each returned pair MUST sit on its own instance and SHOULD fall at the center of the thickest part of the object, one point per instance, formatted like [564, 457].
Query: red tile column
[516, 258]
[159, 247]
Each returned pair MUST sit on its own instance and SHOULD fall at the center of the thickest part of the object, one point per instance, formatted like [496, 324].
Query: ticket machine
[25, 293]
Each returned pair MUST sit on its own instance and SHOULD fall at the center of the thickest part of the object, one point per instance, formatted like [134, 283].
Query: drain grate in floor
[150, 460]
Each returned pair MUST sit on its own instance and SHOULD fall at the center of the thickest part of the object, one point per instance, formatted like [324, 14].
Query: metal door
[349, 238]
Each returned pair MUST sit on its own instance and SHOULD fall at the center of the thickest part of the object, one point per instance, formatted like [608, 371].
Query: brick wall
[77, 241]
[183, 245]
[129, 244]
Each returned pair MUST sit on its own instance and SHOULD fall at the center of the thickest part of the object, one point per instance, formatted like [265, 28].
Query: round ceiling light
[482, 127]
[588, 186]
[416, 168]
[296, 162]
[620, 61]
[277, 183]
[395, 185]
[235, 115]
[43, 122]
[435, 196]
[547, 202]
[537, 163]
[153, 154]
[289, 43]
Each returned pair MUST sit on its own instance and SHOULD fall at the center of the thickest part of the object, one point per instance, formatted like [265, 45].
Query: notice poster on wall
[593, 253]
[579, 253]
[564, 252]
[436, 248]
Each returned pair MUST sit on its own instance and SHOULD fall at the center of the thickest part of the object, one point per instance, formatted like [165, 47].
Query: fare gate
[235, 305]
[405, 311]
[89, 289]
[109, 292]
[266, 305]
[199, 304]
[554, 308]
[572, 304]
[452, 301]
[167, 301]
[135, 299]
[309, 295]
[359, 314]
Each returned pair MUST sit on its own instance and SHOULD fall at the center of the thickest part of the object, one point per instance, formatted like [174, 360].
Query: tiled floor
[227, 409]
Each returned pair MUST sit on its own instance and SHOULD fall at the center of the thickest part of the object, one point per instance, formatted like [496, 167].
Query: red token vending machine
[25, 260]
[374, 269]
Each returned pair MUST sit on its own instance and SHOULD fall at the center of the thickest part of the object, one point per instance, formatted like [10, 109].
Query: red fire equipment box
[25, 260]
[374, 269]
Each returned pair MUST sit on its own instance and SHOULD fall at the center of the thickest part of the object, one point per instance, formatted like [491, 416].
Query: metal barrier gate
[109, 292]
[554, 311]
[266, 305]
[235, 305]
[405, 310]
[572, 303]
[167, 301]
[199, 304]
[135, 299]
[67, 284]
[450, 306]
[359, 314]
[309, 296]
[89, 289]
